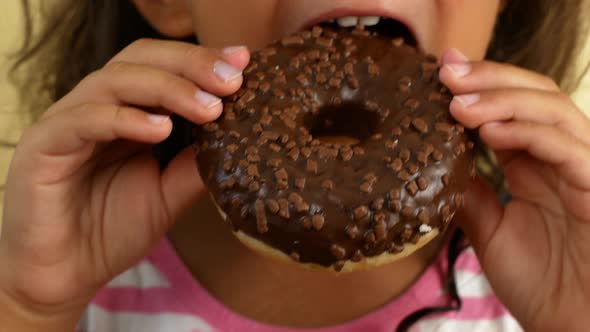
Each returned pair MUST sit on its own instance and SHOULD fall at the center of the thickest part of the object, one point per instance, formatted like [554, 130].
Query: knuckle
[83, 109]
[49, 112]
[28, 133]
[114, 68]
[139, 44]
[110, 111]
[85, 112]
[497, 97]
[571, 113]
[472, 122]
[171, 81]
[193, 54]
[550, 83]
[92, 77]
[487, 67]
[564, 98]
[117, 113]
[135, 47]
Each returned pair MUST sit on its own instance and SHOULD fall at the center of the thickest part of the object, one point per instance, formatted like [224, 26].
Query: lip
[343, 12]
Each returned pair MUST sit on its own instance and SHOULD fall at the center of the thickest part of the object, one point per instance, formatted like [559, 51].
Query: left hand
[536, 250]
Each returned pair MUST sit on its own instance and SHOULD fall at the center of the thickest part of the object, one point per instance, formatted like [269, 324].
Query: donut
[338, 151]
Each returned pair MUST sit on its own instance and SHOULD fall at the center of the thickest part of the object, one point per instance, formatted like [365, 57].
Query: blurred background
[12, 121]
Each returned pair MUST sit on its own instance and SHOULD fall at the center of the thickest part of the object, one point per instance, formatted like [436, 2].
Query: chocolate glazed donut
[338, 151]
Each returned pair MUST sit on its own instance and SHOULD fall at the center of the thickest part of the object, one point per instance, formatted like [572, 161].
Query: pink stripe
[488, 307]
[146, 301]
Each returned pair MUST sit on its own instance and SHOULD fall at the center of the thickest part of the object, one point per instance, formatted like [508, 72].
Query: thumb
[182, 185]
[482, 213]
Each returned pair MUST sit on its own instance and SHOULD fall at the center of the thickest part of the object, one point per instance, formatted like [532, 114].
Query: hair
[80, 36]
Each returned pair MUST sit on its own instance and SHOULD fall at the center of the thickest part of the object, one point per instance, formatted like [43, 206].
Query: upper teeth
[351, 21]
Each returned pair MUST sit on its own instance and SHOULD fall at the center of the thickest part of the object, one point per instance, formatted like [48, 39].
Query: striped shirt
[160, 294]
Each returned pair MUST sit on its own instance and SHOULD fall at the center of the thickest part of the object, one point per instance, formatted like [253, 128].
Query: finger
[544, 107]
[217, 71]
[133, 84]
[482, 214]
[463, 77]
[181, 184]
[113, 153]
[497, 232]
[70, 130]
[548, 144]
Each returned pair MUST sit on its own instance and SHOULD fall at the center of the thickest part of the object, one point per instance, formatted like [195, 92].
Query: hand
[85, 199]
[536, 250]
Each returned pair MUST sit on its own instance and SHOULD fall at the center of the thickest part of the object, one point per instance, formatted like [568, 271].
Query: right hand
[85, 199]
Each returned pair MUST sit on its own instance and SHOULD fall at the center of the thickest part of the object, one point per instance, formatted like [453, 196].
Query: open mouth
[382, 25]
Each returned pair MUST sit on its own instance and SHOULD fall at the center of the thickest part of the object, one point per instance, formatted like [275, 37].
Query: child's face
[437, 24]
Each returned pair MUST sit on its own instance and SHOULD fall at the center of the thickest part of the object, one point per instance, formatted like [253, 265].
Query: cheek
[467, 25]
[219, 23]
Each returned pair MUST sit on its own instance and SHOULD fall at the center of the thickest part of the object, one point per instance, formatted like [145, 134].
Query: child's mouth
[384, 26]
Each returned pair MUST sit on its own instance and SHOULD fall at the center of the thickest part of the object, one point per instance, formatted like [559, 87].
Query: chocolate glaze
[322, 202]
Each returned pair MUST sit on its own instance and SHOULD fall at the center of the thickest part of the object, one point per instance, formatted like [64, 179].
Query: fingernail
[158, 118]
[459, 69]
[468, 100]
[225, 71]
[206, 99]
[232, 49]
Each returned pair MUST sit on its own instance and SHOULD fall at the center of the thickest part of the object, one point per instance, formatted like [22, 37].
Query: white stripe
[143, 275]
[469, 250]
[99, 320]
[471, 284]
[504, 323]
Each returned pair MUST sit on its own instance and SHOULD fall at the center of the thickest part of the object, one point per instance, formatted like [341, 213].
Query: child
[96, 236]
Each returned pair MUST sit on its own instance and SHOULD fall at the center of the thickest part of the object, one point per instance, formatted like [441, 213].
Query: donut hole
[347, 123]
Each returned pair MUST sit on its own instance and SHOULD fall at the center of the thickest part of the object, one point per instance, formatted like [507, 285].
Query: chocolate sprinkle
[378, 204]
[397, 165]
[381, 230]
[295, 256]
[412, 188]
[312, 166]
[282, 178]
[328, 185]
[338, 251]
[352, 231]
[339, 265]
[360, 213]
[273, 206]
[300, 183]
[357, 256]
[261, 221]
[317, 221]
[289, 41]
[420, 125]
